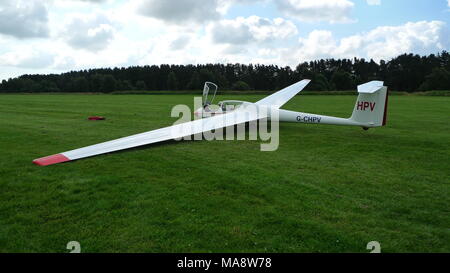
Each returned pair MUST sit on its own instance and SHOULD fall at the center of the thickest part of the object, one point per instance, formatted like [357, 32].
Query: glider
[370, 111]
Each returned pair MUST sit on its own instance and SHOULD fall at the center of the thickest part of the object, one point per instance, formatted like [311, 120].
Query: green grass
[326, 189]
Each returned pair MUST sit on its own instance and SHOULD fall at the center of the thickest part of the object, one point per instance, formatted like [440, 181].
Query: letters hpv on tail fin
[371, 105]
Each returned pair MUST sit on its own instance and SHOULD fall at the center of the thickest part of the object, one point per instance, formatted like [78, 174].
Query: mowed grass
[326, 189]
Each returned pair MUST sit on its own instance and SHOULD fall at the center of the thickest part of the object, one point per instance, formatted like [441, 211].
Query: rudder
[371, 105]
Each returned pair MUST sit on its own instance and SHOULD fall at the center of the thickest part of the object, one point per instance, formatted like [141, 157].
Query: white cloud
[383, 42]
[224, 5]
[419, 37]
[332, 11]
[75, 4]
[23, 19]
[64, 63]
[92, 1]
[376, 2]
[188, 11]
[180, 42]
[27, 57]
[251, 29]
[91, 32]
[182, 11]
[89, 35]
[318, 43]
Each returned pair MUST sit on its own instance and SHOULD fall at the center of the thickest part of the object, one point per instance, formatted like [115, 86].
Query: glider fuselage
[282, 115]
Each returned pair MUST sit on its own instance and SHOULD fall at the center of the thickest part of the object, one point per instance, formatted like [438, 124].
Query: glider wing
[243, 114]
[279, 98]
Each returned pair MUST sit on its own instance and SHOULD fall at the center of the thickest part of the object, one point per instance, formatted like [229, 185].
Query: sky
[55, 36]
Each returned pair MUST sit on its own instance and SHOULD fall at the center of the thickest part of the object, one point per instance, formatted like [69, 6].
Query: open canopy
[208, 88]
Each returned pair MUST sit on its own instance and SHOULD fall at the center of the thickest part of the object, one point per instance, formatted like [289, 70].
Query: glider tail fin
[371, 105]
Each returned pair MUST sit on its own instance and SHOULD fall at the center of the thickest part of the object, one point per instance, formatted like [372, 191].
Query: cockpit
[209, 109]
[229, 105]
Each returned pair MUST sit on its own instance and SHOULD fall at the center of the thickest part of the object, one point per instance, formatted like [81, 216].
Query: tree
[319, 83]
[140, 85]
[49, 86]
[3, 85]
[172, 82]
[124, 85]
[407, 72]
[97, 83]
[28, 85]
[342, 80]
[206, 76]
[240, 86]
[221, 81]
[79, 84]
[194, 83]
[109, 84]
[439, 79]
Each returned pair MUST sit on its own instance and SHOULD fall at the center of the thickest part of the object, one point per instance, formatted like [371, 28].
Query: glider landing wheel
[365, 128]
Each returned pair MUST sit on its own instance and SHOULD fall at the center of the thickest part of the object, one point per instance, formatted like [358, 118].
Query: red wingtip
[51, 159]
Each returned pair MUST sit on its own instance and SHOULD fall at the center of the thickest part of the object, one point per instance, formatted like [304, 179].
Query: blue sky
[61, 35]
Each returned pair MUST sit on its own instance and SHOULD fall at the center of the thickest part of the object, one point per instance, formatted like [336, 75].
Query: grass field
[326, 189]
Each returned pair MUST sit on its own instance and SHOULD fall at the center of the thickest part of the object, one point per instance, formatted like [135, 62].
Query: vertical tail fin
[371, 105]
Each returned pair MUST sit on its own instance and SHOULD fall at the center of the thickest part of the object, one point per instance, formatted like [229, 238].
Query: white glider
[370, 111]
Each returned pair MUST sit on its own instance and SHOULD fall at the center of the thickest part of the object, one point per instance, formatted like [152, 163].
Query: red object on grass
[51, 159]
[96, 118]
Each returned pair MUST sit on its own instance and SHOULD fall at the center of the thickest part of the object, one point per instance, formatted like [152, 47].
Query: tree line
[407, 72]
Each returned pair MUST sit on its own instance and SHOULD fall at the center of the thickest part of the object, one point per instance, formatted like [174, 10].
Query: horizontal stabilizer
[370, 87]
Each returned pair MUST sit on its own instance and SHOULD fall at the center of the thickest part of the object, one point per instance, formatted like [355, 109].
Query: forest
[407, 72]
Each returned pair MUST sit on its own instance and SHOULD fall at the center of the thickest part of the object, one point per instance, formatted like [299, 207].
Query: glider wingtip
[305, 82]
[50, 160]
